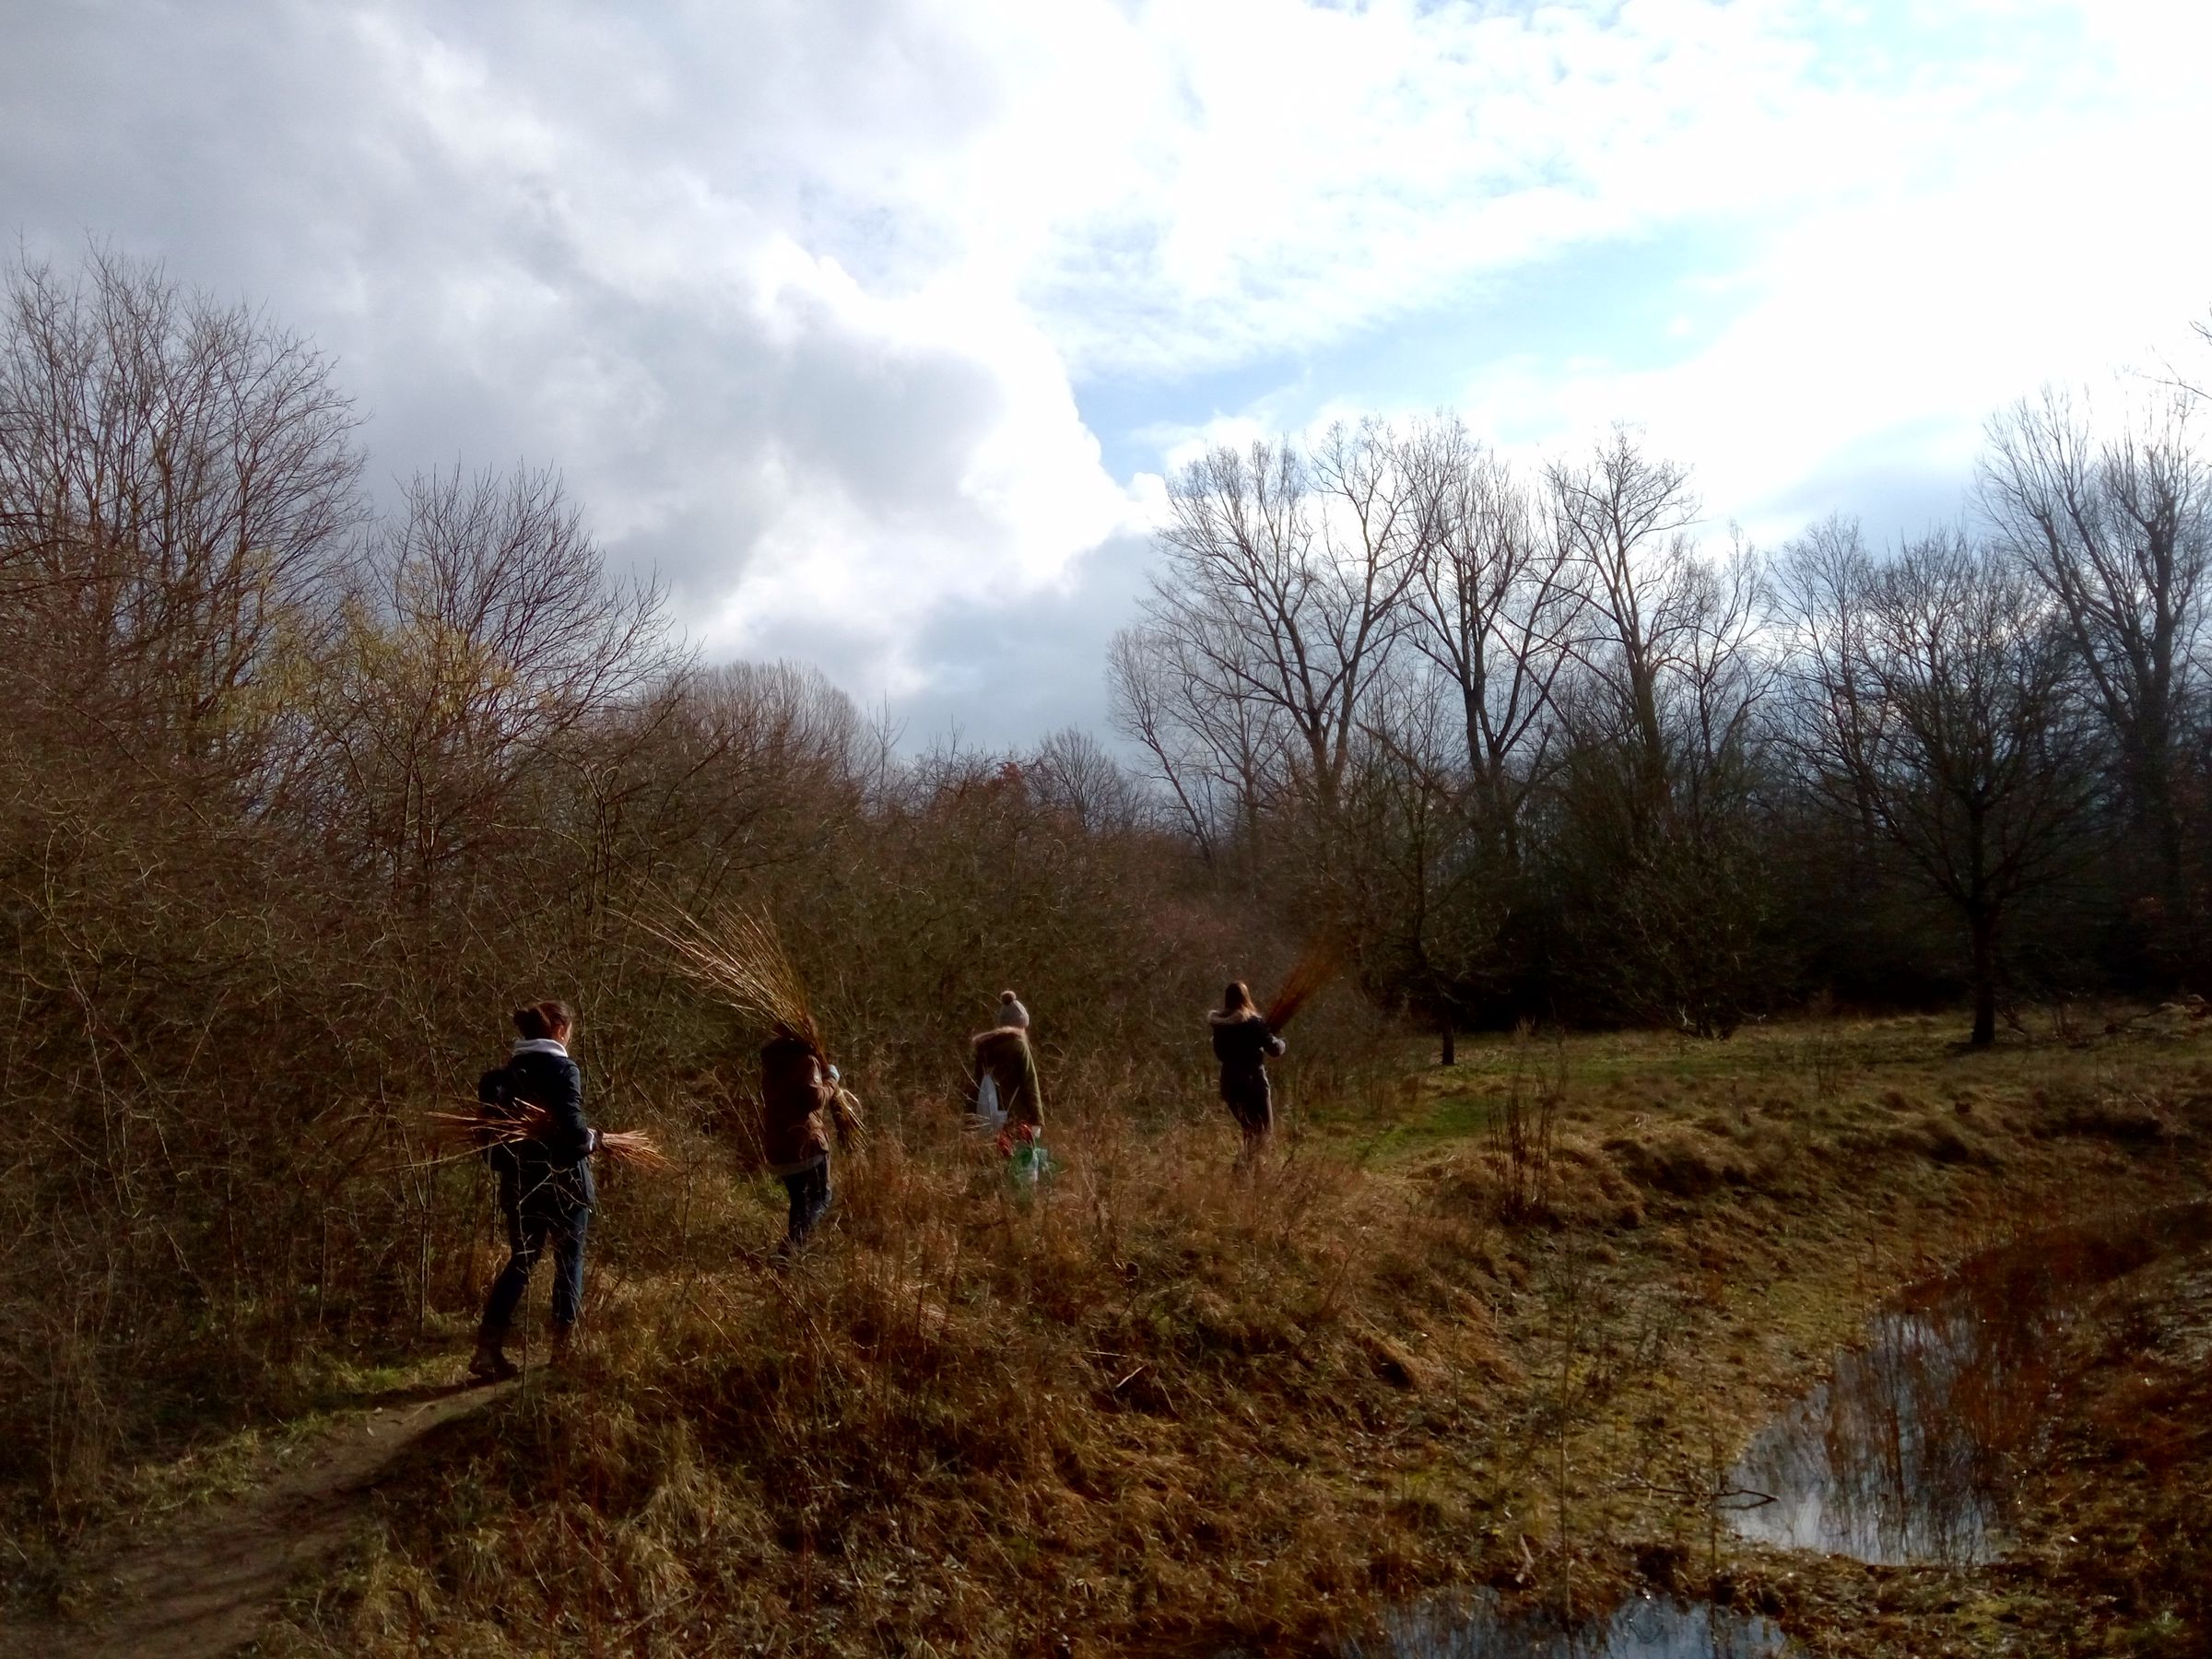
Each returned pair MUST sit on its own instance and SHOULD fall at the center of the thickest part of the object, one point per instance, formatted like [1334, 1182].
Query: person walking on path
[799, 1096]
[1243, 1044]
[545, 1187]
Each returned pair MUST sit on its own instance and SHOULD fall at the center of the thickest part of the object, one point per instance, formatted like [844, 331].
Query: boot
[490, 1363]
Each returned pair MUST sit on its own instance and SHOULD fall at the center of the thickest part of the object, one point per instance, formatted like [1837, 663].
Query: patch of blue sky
[1900, 484]
[1628, 304]
[1895, 42]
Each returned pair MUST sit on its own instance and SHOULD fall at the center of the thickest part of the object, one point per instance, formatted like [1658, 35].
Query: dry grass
[1161, 1407]
[967, 1417]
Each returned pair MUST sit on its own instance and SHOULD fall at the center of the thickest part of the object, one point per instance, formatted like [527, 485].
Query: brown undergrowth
[1161, 1407]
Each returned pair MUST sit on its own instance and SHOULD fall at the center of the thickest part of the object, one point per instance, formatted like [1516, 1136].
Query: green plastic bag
[1028, 1163]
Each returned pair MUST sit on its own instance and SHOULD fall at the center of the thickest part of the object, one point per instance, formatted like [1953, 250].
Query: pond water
[1910, 1451]
[1641, 1628]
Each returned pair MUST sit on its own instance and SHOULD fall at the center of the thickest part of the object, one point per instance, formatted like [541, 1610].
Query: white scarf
[541, 1045]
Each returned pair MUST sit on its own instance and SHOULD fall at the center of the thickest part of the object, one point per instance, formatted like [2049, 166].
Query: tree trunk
[1444, 1033]
[1985, 927]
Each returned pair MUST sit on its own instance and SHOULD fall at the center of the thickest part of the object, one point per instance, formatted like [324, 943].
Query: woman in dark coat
[1242, 1044]
[545, 1187]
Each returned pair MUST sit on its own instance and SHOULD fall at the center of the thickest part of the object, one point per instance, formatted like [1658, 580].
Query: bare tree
[1417, 886]
[177, 486]
[1280, 595]
[1658, 791]
[496, 633]
[1936, 707]
[1490, 602]
[1072, 773]
[1218, 758]
[1623, 519]
[716, 775]
[2118, 530]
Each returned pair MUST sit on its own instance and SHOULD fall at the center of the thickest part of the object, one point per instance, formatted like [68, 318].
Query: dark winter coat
[1243, 1044]
[555, 1166]
[795, 1100]
[1006, 1054]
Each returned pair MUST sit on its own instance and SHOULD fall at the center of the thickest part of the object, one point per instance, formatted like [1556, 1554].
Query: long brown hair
[1236, 997]
[539, 1020]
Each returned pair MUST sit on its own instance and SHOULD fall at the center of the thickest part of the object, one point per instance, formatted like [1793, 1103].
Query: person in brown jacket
[1243, 1044]
[1003, 1055]
[799, 1097]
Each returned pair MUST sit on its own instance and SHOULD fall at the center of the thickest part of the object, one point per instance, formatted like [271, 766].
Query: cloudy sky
[872, 325]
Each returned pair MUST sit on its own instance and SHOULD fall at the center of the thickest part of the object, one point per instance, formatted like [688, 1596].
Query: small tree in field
[1421, 893]
[1935, 707]
[1654, 849]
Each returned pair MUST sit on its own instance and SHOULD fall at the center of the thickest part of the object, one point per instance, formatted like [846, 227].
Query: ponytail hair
[539, 1020]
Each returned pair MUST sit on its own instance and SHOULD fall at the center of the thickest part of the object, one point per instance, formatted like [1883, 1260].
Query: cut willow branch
[483, 1127]
[739, 959]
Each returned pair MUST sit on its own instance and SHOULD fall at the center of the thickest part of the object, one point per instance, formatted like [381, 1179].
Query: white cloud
[1931, 218]
[625, 246]
[1871, 339]
[794, 289]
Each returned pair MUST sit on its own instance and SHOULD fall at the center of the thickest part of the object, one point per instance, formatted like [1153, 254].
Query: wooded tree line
[298, 795]
[1531, 748]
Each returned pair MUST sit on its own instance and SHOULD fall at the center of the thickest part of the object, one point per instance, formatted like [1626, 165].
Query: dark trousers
[810, 1191]
[1250, 1102]
[532, 1221]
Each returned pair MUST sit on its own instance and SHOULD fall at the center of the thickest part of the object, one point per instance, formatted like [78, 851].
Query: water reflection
[1640, 1628]
[1910, 1451]
[1879, 1463]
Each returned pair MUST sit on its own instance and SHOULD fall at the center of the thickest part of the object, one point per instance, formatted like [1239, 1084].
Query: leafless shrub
[1524, 1126]
[1825, 1054]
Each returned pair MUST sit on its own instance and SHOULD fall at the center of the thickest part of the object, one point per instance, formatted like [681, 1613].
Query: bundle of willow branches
[480, 1129]
[1315, 969]
[740, 959]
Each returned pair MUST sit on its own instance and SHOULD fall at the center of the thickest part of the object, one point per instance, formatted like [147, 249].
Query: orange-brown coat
[1004, 1054]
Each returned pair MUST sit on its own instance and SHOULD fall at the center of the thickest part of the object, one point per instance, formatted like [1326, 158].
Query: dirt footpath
[206, 1590]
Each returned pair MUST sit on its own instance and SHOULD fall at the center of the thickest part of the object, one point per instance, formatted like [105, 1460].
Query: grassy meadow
[1497, 1324]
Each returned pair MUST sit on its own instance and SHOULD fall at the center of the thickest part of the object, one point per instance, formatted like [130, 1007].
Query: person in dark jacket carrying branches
[545, 1187]
[1243, 1044]
[799, 1100]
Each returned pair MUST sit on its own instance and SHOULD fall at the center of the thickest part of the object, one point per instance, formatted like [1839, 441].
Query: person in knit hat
[1011, 1014]
[1003, 1057]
